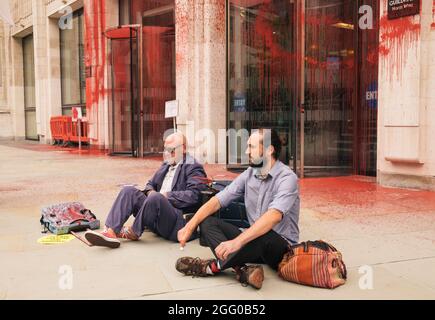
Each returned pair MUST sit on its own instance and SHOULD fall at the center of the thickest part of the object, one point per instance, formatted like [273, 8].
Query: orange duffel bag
[313, 263]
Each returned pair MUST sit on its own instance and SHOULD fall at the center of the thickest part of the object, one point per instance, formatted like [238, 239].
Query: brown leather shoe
[196, 267]
[251, 275]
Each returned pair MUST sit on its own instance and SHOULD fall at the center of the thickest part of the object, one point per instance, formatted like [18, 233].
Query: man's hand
[184, 234]
[228, 247]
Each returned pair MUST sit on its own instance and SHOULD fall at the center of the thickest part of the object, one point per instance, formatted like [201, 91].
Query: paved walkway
[387, 232]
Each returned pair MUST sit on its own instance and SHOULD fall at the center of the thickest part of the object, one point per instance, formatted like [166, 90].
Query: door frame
[137, 114]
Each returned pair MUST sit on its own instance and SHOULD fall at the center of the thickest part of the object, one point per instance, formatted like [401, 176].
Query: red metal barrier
[63, 129]
[57, 125]
[75, 132]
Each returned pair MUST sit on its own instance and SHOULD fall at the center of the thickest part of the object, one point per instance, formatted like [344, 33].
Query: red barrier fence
[63, 129]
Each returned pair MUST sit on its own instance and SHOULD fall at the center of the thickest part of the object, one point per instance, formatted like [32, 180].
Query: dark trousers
[268, 249]
[153, 212]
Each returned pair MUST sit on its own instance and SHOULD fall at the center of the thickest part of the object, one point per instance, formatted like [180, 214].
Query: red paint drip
[433, 15]
[397, 38]
[95, 57]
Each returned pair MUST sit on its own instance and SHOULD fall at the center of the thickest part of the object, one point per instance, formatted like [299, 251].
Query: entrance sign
[403, 8]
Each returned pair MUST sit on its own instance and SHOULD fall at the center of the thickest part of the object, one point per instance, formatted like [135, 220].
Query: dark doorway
[340, 89]
[143, 76]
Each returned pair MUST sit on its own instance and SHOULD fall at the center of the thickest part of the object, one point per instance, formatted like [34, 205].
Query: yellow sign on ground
[55, 239]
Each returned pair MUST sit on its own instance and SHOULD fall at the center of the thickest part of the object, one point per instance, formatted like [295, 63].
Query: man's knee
[206, 224]
[204, 229]
[128, 191]
[155, 197]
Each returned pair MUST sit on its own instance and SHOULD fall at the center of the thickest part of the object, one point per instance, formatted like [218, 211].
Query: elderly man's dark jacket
[186, 187]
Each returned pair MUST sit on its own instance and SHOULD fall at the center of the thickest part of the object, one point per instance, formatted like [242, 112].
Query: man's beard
[256, 163]
[169, 160]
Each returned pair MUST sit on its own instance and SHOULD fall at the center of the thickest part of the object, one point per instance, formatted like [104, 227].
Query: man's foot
[250, 275]
[196, 267]
[127, 233]
[107, 238]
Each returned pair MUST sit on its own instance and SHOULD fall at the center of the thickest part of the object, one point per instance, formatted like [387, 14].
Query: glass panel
[122, 104]
[72, 63]
[158, 19]
[29, 73]
[29, 89]
[330, 86]
[67, 111]
[262, 74]
[368, 97]
[82, 60]
[124, 12]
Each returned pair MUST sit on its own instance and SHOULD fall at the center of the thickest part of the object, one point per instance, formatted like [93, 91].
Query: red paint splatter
[182, 24]
[433, 15]
[95, 59]
[397, 38]
[218, 19]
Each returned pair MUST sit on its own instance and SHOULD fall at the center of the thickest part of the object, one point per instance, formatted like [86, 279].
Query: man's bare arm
[205, 211]
[262, 226]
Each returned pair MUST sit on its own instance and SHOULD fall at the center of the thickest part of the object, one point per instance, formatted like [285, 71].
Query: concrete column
[201, 72]
[6, 132]
[54, 89]
[99, 16]
[40, 22]
[406, 153]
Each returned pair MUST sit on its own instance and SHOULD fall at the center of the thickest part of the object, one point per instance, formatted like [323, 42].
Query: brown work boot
[196, 267]
[250, 275]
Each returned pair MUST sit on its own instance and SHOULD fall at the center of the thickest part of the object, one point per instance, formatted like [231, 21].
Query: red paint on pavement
[342, 197]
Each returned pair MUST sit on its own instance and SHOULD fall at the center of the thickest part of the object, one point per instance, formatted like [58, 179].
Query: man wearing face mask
[270, 191]
[175, 188]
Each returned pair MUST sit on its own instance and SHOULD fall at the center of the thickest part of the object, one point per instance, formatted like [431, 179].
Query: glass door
[124, 110]
[158, 69]
[29, 89]
[339, 95]
[262, 73]
[329, 86]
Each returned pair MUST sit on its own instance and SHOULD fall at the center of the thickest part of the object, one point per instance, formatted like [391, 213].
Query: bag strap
[77, 220]
[44, 224]
[85, 211]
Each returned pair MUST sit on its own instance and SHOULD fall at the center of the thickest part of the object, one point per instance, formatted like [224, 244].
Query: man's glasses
[171, 150]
